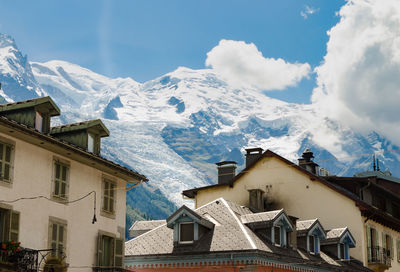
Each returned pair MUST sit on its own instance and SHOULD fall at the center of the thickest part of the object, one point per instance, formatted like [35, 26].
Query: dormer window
[188, 226]
[39, 122]
[91, 142]
[309, 235]
[186, 233]
[339, 241]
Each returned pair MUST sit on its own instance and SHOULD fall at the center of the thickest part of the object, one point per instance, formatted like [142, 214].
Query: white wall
[33, 170]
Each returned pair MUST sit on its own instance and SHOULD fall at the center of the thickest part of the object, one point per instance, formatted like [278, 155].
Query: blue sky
[145, 39]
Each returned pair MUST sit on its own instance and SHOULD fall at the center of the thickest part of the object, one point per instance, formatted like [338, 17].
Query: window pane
[57, 188]
[311, 243]
[277, 234]
[186, 232]
[8, 153]
[64, 173]
[54, 233]
[112, 187]
[1, 151]
[6, 175]
[111, 205]
[105, 204]
[61, 234]
[57, 171]
[63, 189]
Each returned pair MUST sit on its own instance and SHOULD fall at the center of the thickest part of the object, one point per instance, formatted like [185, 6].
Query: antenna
[374, 165]
[377, 165]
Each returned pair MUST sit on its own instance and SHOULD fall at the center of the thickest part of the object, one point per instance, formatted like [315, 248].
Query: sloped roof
[49, 140]
[261, 217]
[50, 105]
[229, 235]
[91, 124]
[334, 236]
[187, 211]
[147, 225]
[305, 224]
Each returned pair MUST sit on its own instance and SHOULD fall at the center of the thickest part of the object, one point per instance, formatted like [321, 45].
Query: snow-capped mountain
[174, 128]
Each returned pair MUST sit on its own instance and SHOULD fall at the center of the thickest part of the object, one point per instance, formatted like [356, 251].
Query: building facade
[224, 236]
[57, 193]
[269, 181]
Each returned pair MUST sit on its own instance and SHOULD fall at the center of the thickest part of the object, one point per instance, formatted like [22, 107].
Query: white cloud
[308, 11]
[242, 65]
[358, 82]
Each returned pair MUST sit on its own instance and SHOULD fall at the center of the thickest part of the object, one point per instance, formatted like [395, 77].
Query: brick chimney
[307, 163]
[253, 154]
[226, 171]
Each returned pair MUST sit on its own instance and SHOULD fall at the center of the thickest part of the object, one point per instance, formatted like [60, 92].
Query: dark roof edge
[30, 103]
[73, 148]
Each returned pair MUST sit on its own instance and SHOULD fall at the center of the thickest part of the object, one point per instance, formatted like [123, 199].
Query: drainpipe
[134, 185]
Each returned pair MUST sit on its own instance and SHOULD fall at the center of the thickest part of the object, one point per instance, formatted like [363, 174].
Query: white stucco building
[55, 168]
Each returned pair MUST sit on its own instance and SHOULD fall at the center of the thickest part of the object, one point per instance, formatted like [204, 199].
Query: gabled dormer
[310, 233]
[338, 242]
[274, 225]
[188, 226]
[86, 135]
[34, 113]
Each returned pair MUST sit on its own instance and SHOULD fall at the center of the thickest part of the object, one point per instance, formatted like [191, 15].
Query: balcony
[379, 259]
[109, 269]
[23, 259]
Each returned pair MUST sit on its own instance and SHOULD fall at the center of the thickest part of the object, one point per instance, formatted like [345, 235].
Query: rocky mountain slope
[175, 127]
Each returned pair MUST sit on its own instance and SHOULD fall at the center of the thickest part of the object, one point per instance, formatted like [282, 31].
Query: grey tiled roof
[260, 217]
[335, 233]
[229, 234]
[305, 224]
[147, 225]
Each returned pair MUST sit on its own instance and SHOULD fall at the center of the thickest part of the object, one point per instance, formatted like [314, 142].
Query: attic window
[314, 244]
[343, 251]
[186, 233]
[38, 122]
[277, 235]
[90, 142]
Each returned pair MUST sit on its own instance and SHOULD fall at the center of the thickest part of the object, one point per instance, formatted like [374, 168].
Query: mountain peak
[7, 40]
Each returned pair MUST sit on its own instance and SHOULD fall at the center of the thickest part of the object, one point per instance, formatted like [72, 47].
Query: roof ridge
[246, 234]
[141, 235]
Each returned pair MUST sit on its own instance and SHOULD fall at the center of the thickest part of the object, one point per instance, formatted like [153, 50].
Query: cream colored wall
[394, 234]
[293, 190]
[33, 168]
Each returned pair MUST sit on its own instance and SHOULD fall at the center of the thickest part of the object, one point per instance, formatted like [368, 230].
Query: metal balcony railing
[22, 260]
[379, 255]
[109, 269]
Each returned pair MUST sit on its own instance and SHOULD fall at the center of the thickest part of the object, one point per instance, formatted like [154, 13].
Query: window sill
[107, 214]
[8, 184]
[59, 199]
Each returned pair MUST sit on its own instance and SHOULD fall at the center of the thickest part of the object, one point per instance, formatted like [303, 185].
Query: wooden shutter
[369, 249]
[119, 252]
[398, 249]
[391, 247]
[384, 241]
[100, 250]
[14, 226]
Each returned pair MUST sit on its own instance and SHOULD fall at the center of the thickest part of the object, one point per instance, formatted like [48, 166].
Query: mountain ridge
[175, 127]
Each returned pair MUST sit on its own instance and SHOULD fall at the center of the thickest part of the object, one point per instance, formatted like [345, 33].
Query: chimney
[252, 154]
[307, 163]
[226, 171]
[293, 234]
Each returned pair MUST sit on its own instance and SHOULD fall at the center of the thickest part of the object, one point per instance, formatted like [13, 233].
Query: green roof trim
[97, 125]
[46, 102]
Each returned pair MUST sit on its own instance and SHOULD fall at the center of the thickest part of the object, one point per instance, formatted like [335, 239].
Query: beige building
[57, 192]
[270, 182]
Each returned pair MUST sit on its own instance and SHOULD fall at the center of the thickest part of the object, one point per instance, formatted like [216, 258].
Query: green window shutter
[100, 250]
[119, 252]
[398, 249]
[376, 238]
[391, 247]
[369, 250]
[384, 240]
[14, 226]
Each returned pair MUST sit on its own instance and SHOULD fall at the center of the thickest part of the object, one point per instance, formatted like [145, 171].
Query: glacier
[173, 129]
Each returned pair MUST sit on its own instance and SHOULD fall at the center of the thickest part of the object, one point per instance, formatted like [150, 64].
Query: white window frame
[58, 223]
[59, 181]
[179, 231]
[107, 198]
[4, 163]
